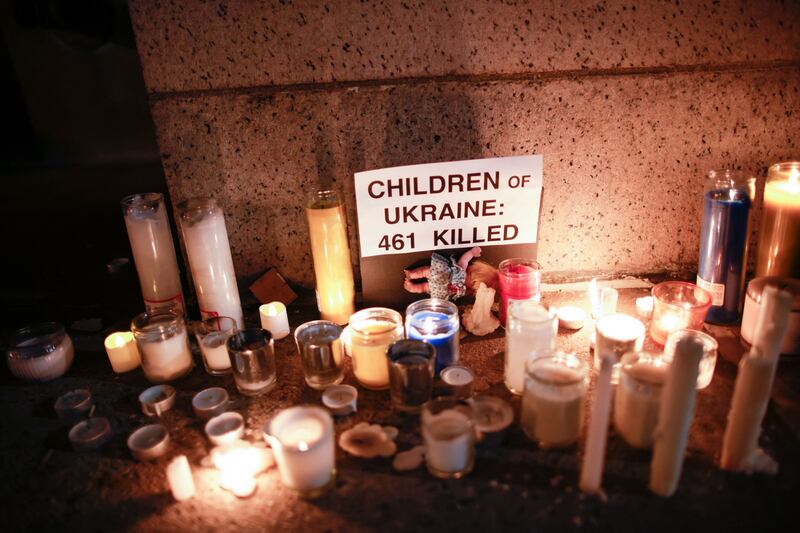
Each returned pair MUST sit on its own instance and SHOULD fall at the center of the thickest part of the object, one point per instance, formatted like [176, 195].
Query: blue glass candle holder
[723, 243]
[435, 321]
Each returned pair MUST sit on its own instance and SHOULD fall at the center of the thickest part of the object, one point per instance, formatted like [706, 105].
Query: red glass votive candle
[520, 279]
[677, 305]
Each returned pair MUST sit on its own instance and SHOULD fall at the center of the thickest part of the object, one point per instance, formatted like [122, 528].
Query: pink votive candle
[520, 279]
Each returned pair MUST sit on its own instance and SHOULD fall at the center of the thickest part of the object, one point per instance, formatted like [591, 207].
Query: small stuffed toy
[449, 278]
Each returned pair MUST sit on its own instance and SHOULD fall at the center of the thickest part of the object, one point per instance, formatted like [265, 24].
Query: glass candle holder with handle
[677, 305]
[320, 348]
[779, 232]
[252, 353]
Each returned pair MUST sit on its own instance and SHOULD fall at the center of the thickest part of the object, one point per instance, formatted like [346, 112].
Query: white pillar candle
[209, 254]
[674, 417]
[595, 449]
[617, 335]
[122, 352]
[274, 319]
[302, 438]
[637, 398]
[179, 477]
[153, 252]
[530, 332]
[754, 382]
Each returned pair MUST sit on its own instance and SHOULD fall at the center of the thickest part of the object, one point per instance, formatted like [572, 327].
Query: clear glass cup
[320, 348]
[709, 360]
[677, 305]
[163, 346]
[436, 321]
[448, 429]
[531, 332]
[519, 279]
[779, 232]
[252, 353]
[212, 336]
[372, 330]
[40, 352]
[411, 371]
[637, 398]
[552, 404]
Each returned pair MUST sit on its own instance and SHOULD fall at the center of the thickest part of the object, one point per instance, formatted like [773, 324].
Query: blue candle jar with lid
[723, 243]
[435, 321]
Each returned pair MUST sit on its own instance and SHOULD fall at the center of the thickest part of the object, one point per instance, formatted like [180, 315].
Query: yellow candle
[330, 250]
[779, 241]
[122, 352]
[371, 332]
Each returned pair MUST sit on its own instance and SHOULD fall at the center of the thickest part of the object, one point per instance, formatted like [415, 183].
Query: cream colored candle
[637, 398]
[754, 382]
[122, 352]
[616, 335]
[595, 449]
[371, 332]
[779, 240]
[330, 250]
[675, 416]
[274, 319]
[179, 477]
[163, 346]
[530, 332]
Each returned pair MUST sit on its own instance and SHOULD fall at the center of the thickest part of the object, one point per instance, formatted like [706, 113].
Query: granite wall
[630, 103]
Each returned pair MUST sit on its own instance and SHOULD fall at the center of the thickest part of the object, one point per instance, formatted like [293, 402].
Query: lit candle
[238, 463]
[637, 398]
[678, 305]
[122, 352]
[153, 252]
[163, 346]
[616, 335]
[179, 477]
[274, 319]
[302, 438]
[779, 240]
[448, 429]
[594, 298]
[530, 332]
[435, 321]
[754, 383]
[595, 450]
[371, 332]
[330, 250]
[675, 414]
[519, 279]
[608, 301]
[644, 307]
[209, 255]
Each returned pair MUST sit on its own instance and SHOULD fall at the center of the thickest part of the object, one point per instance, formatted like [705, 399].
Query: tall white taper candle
[595, 450]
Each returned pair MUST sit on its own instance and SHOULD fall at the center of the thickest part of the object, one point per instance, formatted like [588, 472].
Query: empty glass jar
[252, 353]
[320, 348]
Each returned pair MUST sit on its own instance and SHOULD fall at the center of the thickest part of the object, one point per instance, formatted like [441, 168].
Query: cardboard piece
[271, 287]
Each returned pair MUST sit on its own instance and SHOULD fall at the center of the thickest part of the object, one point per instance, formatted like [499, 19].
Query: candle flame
[302, 446]
[238, 466]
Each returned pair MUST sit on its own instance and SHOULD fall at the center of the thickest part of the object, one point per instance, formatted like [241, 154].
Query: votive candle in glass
[153, 252]
[723, 243]
[519, 279]
[330, 250]
[163, 346]
[209, 253]
[779, 232]
[302, 438]
[531, 332]
[41, 352]
[448, 429]
[122, 352]
[617, 335]
[709, 359]
[212, 336]
[372, 330]
[638, 397]
[320, 348]
[552, 404]
[411, 371]
[677, 305]
[437, 322]
[252, 353]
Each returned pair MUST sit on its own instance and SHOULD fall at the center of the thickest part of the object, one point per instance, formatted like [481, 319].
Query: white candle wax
[608, 301]
[552, 415]
[274, 319]
[166, 359]
[449, 441]
[122, 352]
[595, 450]
[617, 335]
[644, 307]
[571, 317]
[179, 477]
[369, 346]
[215, 350]
[530, 332]
[44, 367]
[637, 400]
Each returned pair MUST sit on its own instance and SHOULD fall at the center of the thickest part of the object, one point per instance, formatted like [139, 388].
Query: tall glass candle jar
[372, 330]
[519, 279]
[677, 305]
[302, 438]
[723, 243]
[163, 346]
[153, 252]
[437, 322]
[330, 250]
[638, 397]
[252, 353]
[531, 332]
[209, 255]
[40, 353]
[552, 404]
[448, 429]
[779, 233]
[320, 348]
[411, 374]
[212, 336]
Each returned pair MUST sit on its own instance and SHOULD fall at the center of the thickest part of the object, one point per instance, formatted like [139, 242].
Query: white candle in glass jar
[215, 350]
[530, 332]
[179, 477]
[637, 398]
[122, 352]
[617, 335]
[209, 254]
[449, 441]
[166, 359]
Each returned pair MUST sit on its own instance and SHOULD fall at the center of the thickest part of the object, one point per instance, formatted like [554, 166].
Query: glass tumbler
[320, 348]
[519, 279]
[252, 353]
[163, 346]
[448, 429]
[677, 305]
[709, 360]
[437, 322]
[779, 233]
[372, 330]
[411, 371]
[637, 398]
[531, 332]
[212, 336]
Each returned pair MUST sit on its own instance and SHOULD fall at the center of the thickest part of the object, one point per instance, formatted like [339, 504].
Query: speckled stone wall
[256, 102]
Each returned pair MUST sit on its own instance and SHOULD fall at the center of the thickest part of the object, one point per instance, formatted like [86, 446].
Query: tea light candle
[157, 399]
[179, 477]
[571, 317]
[677, 305]
[149, 442]
[210, 402]
[493, 416]
[637, 398]
[90, 434]
[73, 405]
[122, 352]
[616, 335]
[340, 399]
[594, 453]
[225, 428]
[274, 319]
[458, 380]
